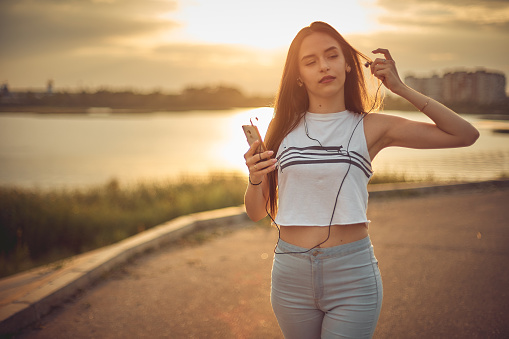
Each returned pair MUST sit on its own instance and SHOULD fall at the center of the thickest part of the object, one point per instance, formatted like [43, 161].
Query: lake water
[87, 149]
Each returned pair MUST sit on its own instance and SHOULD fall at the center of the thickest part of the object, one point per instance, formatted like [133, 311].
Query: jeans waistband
[323, 252]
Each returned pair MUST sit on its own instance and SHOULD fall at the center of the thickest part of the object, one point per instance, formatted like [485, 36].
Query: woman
[313, 181]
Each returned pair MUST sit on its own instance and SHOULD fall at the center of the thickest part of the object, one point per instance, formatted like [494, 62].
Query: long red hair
[292, 100]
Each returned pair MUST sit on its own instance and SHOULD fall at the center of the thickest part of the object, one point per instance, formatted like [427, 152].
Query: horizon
[127, 88]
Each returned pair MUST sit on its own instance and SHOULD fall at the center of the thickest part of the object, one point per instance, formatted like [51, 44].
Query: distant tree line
[191, 98]
[208, 97]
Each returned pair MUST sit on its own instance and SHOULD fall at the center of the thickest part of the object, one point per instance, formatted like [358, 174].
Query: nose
[324, 65]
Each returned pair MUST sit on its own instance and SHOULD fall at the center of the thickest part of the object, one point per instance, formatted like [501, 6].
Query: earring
[299, 82]
[348, 69]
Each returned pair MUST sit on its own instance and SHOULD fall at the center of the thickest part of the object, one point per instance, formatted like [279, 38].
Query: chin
[331, 91]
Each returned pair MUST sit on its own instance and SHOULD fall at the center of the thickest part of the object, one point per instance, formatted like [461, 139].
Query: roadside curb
[26, 297]
[407, 190]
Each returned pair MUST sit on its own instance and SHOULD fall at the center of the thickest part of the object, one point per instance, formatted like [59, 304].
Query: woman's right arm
[257, 192]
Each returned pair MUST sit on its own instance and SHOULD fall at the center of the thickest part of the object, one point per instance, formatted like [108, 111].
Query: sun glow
[267, 24]
[232, 147]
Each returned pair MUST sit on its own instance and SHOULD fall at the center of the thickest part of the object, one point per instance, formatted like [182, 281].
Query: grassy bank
[39, 227]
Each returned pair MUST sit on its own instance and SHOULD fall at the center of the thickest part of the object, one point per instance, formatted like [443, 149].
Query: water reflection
[75, 150]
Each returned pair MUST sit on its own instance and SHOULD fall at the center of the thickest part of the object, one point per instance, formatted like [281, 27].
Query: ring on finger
[255, 167]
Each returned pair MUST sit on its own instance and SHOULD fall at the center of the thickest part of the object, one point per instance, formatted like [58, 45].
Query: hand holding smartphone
[252, 134]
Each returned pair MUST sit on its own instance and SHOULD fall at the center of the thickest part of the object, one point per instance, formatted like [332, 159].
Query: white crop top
[309, 175]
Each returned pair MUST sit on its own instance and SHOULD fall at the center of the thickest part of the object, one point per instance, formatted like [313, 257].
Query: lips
[327, 79]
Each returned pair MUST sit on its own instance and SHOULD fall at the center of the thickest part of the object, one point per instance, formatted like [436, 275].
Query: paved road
[444, 260]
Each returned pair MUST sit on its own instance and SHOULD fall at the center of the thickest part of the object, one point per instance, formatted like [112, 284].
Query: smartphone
[252, 134]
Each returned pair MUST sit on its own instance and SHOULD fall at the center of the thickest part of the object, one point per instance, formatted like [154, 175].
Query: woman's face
[322, 66]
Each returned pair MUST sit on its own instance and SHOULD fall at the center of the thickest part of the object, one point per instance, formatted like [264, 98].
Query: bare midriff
[310, 236]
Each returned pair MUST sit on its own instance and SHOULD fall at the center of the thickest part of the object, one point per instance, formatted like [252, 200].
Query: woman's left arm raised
[448, 130]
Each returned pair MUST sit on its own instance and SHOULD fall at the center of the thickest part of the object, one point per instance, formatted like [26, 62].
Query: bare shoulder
[376, 128]
[382, 119]
[377, 124]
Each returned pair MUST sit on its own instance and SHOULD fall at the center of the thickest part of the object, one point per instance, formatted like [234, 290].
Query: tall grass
[38, 227]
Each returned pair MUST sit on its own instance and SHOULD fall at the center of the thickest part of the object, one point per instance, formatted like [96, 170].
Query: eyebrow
[312, 55]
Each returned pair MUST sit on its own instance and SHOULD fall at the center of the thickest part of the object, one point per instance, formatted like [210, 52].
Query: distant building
[432, 87]
[24, 97]
[49, 87]
[4, 90]
[478, 87]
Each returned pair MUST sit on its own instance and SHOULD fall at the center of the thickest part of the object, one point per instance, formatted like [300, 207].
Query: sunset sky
[167, 45]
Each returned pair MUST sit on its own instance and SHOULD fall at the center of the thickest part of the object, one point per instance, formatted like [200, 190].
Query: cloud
[200, 54]
[438, 51]
[428, 36]
[168, 67]
[29, 27]
[489, 16]
[405, 4]
[252, 69]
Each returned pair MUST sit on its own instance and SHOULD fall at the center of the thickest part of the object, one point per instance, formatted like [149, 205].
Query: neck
[327, 105]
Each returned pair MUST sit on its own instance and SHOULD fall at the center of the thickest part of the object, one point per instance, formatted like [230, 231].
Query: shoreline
[106, 110]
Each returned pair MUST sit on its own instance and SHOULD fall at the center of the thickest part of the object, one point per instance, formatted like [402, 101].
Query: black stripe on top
[322, 155]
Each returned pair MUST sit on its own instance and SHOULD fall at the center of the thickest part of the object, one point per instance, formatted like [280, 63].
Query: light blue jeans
[333, 292]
